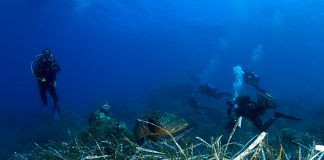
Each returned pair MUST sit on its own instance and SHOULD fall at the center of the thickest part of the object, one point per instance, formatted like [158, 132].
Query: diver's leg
[52, 91]
[56, 107]
[269, 122]
[231, 115]
[230, 125]
[217, 95]
[258, 123]
[56, 112]
[42, 93]
[221, 94]
[283, 115]
[262, 91]
[196, 110]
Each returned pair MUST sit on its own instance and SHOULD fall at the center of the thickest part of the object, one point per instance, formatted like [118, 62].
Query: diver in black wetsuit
[207, 90]
[45, 69]
[211, 91]
[253, 111]
[253, 79]
[196, 106]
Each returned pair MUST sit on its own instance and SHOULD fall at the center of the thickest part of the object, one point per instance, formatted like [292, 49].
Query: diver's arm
[231, 113]
[38, 72]
[57, 68]
[40, 76]
[262, 91]
[231, 119]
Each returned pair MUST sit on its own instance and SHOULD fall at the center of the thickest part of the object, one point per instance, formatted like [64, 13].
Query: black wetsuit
[195, 105]
[252, 79]
[250, 110]
[45, 72]
[210, 91]
[207, 90]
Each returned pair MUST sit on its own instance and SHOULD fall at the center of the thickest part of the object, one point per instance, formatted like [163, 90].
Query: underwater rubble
[108, 138]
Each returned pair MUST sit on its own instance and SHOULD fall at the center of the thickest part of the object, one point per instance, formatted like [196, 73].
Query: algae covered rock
[292, 136]
[105, 137]
[103, 127]
[107, 131]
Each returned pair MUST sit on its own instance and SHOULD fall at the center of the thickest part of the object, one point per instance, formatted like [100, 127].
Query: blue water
[120, 49]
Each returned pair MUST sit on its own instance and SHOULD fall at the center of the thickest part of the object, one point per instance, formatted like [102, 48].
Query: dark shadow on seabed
[41, 130]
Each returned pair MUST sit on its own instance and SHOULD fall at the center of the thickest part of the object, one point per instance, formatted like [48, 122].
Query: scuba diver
[45, 68]
[196, 106]
[253, 111]
[207, 90]
[253, 79]
[210, 91]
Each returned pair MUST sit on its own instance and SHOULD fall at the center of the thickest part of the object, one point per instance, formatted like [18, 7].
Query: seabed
[108, 138]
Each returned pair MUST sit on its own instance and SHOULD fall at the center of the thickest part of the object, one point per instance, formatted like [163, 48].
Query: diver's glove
[42, 79]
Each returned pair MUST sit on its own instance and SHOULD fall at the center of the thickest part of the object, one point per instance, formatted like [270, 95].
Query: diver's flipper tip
[56, 116]
[283, 115]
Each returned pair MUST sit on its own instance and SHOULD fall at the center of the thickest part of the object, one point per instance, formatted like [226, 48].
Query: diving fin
[282, 115]
[56, 114]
